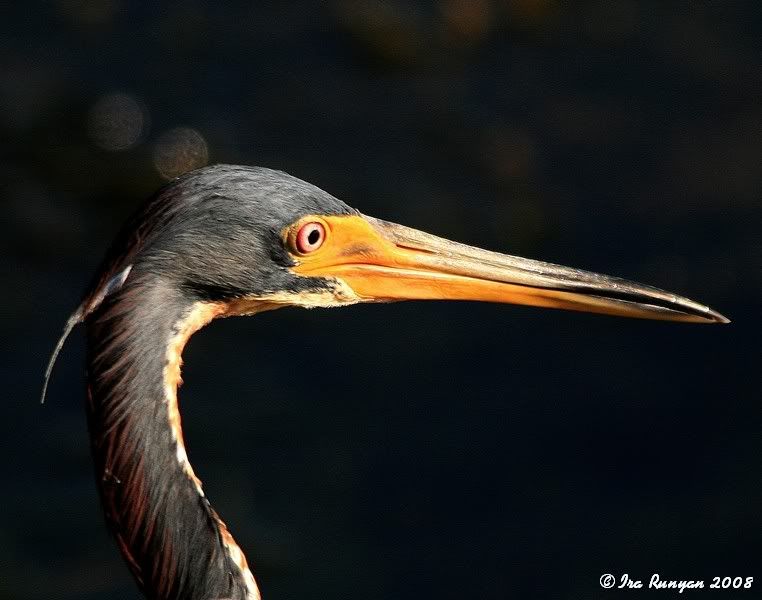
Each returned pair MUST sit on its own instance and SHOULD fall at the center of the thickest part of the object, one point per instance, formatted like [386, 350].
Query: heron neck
[174, 542]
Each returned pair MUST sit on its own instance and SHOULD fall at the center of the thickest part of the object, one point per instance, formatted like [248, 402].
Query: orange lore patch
[201, 314]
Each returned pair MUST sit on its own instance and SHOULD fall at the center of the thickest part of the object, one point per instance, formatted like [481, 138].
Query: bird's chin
[336, 293]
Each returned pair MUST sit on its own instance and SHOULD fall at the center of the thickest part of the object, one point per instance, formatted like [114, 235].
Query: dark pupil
[313, 237]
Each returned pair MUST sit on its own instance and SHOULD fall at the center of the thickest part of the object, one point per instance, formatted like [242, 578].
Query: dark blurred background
[420, 450]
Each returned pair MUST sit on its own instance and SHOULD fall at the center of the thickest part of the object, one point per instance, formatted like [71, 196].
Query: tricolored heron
[230, 240]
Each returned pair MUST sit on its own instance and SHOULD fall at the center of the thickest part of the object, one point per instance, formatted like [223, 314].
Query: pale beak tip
[721, 318]
[712, 316]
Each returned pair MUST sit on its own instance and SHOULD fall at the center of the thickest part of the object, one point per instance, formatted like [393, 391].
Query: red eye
[310, 237]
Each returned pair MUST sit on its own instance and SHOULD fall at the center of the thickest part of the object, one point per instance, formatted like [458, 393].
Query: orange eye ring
[309, 237]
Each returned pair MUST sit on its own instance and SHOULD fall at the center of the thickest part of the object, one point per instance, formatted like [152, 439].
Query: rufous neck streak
[200, 315]
[175, 544]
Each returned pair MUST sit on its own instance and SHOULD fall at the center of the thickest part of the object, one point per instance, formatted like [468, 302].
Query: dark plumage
[211, 235]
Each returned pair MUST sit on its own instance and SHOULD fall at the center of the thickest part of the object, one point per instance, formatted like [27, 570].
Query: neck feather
[176, 545]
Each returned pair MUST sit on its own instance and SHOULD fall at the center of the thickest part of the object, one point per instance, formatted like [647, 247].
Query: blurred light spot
[116, 122]
[532, 14]
[178, 151]
[91, 13]
[467, 20]
[509, 153]
[613, 21]
[591, 119]
[391, 33]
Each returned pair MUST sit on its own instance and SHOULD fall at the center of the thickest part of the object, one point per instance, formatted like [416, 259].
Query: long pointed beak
[383, 262]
